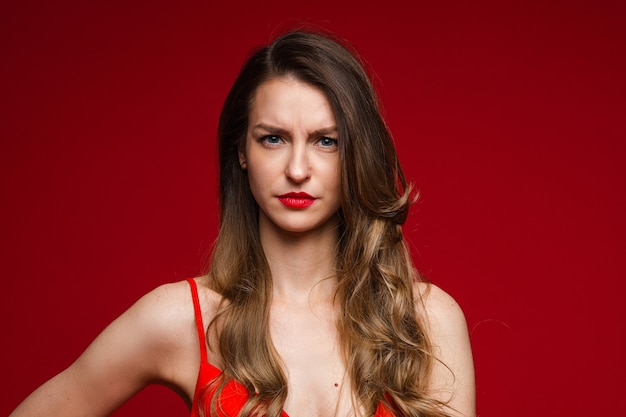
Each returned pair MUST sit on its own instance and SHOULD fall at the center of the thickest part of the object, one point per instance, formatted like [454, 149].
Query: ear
[242, 160]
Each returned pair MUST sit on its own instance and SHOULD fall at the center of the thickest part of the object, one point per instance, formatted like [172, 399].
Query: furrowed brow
[283, 132]
[325, 131]
[270, 129]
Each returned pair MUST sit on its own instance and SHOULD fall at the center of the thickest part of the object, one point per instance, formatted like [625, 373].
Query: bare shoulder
[165, 340]
[166, 304]
[452, 377]
[160, 323]
[168, 311]
[439, 310]
[154, 317]
[173, 300]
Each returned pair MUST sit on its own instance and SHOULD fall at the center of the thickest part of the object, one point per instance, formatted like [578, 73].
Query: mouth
[296, 200]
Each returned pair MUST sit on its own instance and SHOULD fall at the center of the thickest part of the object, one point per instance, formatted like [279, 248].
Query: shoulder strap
[199, 323]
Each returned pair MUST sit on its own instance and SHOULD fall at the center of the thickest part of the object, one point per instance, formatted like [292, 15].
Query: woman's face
[292, 157]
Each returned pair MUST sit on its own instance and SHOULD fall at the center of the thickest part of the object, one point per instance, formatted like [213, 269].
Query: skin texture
[448, 331]
[290, 146]
[300, 243]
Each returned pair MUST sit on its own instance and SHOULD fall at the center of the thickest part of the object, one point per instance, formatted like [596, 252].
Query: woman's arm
[137, 349]
[452, 378]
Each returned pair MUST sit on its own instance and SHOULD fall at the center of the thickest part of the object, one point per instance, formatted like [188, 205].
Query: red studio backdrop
[508, 117]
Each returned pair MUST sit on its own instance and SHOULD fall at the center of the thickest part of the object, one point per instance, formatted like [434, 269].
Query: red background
[508, 116]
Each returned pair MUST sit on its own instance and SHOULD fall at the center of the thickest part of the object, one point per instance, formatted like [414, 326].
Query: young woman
[311, 306]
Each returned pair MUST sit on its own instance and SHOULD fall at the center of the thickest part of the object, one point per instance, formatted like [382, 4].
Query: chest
[308, 344]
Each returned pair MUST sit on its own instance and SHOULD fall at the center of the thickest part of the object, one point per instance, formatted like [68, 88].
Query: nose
[298, 169]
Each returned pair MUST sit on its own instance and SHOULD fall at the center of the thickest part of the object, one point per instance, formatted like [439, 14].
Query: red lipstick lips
[296, 200]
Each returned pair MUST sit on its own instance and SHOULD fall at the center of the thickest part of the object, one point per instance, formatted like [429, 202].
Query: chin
[309, 228]
[297, 229]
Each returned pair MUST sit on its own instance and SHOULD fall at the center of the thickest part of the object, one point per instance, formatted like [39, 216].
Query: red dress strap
[199, 324]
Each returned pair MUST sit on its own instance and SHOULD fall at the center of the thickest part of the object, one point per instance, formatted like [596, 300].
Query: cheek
[254, 179]
[260, 178]
[336, 173]
[333, 180]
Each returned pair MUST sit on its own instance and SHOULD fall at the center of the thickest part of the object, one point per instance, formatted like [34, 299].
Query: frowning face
[292, 157]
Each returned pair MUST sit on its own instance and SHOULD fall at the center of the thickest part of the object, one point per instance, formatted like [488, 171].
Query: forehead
[287, 101]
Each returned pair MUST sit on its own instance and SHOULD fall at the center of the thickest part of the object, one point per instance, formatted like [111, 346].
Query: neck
[303, 265]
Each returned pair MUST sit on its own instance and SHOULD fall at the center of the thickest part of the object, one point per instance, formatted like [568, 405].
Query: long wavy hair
[385, 345]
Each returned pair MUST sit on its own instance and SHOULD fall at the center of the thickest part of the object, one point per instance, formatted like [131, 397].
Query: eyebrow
[281, 131]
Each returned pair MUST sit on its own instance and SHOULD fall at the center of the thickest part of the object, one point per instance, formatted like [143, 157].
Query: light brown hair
[385, 346]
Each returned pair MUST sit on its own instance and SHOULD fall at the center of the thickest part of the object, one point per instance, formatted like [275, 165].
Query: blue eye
[327, 142]
[271, 139]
